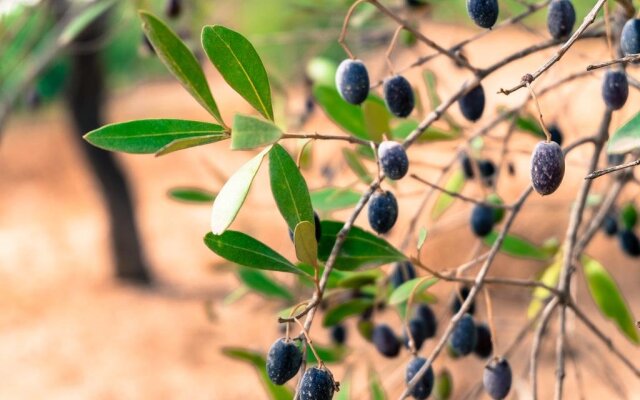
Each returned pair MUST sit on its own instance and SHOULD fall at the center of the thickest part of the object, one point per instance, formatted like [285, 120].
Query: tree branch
[588, 20]
[609, 170]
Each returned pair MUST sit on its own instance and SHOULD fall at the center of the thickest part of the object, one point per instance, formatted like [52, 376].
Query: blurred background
[106, 288]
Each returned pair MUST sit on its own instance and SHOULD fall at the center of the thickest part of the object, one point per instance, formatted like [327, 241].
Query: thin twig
[588, 20]
[604, 338]
[609, 170]
[622, 60]
[568, 256]
[420, 36]
[460, 196]
[317, 136]
[535, 346]
[345, 26]
[472, 293]
[540, 117]
[605, 207]
[452, 276]
[460, 45]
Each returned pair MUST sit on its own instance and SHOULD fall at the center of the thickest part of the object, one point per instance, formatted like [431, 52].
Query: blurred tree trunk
[85, 98]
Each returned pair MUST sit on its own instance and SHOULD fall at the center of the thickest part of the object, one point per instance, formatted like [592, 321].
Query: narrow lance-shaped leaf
[360, 248]
[346, 309]
[289, 188]
[235, 296]
[626, 138]
[432, 134]
[549, 277]
[331, 199]
[233, 194]
[517, 247]
[376, 390]
[191, 195]
[416, 286]
[354, 280]
[242, 249]
[356, 165]
[444, 201]
[347, 116]
[527, 123]
[629, 216]
[181, 144]
[151, 135]
[376, 118]
[607, 296]
[422, 236]
[239, 64]
[258, 361]
[304, 238]
[328, 354]
[251, 132]
[177, 57]
[80, 22]
[260, 282]
[430, 81]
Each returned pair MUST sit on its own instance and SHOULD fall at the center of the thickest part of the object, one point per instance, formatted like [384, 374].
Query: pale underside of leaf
[234, 193]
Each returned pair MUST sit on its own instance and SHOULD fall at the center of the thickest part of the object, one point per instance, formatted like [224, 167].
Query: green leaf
[454, 184]
[354, 280]
[356, 165]
[289, 188]
[334, 277]
[251, 132]
[180, 61]
[236, 295]
[191, 195]
[626, 138]
[608, 298]
[376, 118]
[344, 310]
[233, 194]
[258, 361]
[629, 216]
[151, 135]
[432, 89]
[242, 249]
[528, 124]
[498, 213]
[443, 386]
[181, 144]
[306, 155]
[366, 152]
[240, 66]
[432, 134]
[260, 282]
[365, 328]
[304, 239]
[347, 116]
[328, 354]
[550, 277]
[375, 386]
[417, 285]
[422, 236]
[331, 199]
[360, 249]
[79, 23]
[517, 247]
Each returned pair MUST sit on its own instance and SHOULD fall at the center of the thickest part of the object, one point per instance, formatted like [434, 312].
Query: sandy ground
[68, 331]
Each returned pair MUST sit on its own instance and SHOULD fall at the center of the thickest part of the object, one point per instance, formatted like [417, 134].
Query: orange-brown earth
[67, 330]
